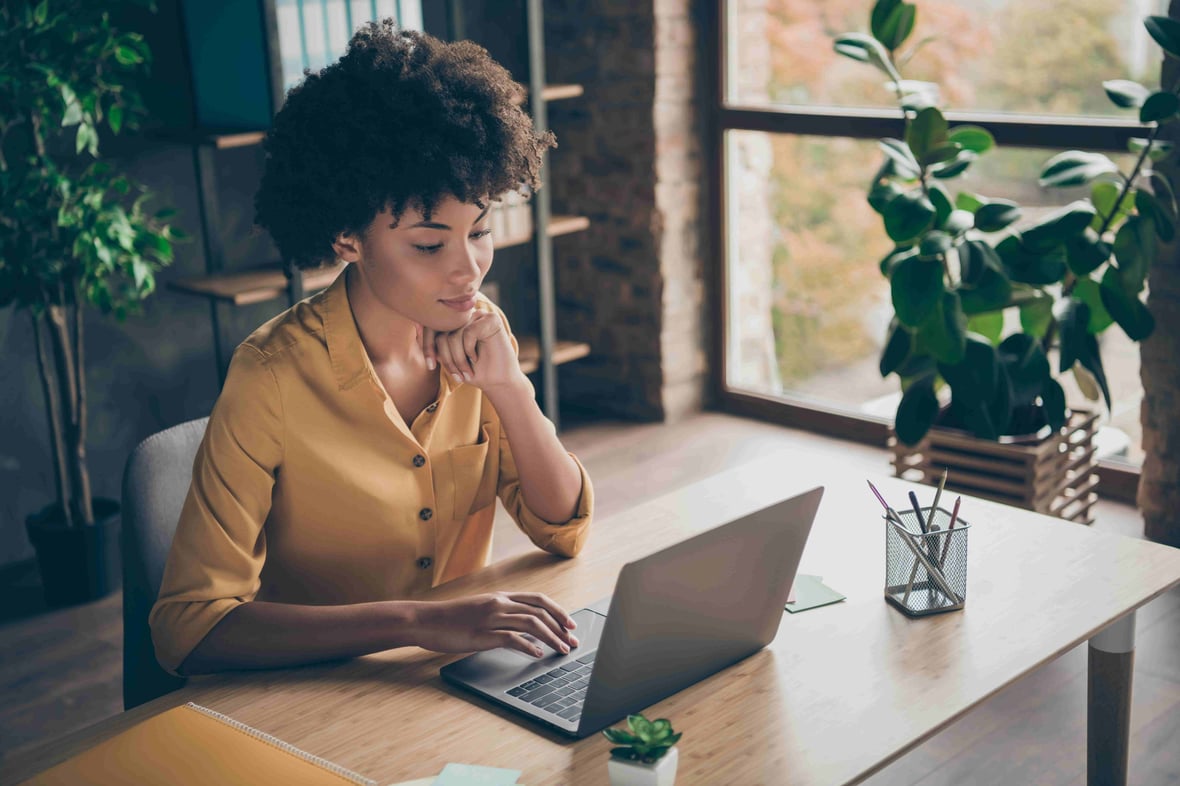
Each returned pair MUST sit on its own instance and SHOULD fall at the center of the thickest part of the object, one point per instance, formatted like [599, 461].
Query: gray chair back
[155, 483]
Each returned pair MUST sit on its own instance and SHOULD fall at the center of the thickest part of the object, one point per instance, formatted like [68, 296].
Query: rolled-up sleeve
[219, 547]
[565, 539]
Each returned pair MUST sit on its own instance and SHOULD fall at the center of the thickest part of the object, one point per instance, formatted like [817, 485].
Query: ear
[347, 247]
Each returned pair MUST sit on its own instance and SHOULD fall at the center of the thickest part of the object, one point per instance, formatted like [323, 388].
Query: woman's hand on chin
[479, 353]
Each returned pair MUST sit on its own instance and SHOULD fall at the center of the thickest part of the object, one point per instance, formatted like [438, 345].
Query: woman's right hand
[498, 619]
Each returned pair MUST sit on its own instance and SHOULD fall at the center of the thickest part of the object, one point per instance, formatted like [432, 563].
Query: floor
[61, 670]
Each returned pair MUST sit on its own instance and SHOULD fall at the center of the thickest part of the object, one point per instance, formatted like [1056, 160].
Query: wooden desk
[841, 692]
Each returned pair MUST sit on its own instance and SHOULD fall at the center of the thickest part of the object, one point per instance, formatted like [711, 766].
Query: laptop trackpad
[502, 668]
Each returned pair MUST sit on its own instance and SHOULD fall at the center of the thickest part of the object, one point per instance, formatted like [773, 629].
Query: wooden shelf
[226, 138]
[259, 285]
[558, 92]
[558, 225]
[564, 352]
[253, 286]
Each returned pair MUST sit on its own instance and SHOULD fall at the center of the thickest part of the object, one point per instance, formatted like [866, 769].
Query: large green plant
[962, 261]
[72, 231]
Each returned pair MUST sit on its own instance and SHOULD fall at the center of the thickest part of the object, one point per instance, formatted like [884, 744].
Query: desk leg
[1112, 660]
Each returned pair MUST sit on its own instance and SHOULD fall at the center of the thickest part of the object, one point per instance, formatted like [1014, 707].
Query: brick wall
[629, 157]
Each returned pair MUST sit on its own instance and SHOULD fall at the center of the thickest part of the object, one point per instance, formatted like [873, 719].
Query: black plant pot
[78, 564]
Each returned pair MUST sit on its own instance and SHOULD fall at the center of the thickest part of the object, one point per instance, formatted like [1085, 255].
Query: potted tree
[980, 394]
[645, 754]
[73, 232]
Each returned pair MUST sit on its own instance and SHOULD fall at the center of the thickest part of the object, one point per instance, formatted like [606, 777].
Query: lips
[463, 303]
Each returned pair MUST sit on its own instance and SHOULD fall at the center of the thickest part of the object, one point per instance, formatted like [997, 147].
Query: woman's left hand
[479, 353]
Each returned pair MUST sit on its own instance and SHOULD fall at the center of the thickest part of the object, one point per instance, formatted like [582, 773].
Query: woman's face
[428, 269]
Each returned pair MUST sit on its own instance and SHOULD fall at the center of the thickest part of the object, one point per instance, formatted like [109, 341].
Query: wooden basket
[1054, 476]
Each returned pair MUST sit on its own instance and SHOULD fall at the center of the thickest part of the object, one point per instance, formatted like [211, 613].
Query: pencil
[889, 512]
[951, 526]
[938, 496]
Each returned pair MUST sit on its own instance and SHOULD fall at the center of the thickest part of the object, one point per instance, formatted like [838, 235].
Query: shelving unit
[271, 281]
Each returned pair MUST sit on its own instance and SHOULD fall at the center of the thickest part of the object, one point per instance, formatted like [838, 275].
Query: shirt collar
[350, 361]
[345, 349]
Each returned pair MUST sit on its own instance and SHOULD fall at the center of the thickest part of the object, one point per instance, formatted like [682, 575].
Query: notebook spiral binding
[286, 746]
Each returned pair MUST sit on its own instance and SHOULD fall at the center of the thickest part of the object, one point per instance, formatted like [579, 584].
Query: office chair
[155, 482]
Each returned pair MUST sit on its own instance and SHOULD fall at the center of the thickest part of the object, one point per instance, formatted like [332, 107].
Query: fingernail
[536, 652]
[574, 641]
[457, 378]
[430, 363]
[569, 623]
[565, 650]
[468, 377]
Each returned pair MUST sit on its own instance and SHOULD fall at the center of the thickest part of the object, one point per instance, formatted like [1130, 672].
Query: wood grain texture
[840, 693]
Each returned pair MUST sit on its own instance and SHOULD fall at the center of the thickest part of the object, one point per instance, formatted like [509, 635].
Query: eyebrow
[428, 224]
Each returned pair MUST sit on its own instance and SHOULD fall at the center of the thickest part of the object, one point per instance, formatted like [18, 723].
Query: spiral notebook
[192, 744]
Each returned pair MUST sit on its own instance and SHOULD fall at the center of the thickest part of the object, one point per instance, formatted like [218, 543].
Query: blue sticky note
[471, 775]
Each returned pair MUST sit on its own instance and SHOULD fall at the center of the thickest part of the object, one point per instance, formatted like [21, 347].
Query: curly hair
[402, 119]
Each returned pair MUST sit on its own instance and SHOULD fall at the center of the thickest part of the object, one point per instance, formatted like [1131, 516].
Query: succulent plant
[646, 742]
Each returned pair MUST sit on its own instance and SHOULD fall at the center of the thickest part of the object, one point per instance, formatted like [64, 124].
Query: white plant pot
[633, 773]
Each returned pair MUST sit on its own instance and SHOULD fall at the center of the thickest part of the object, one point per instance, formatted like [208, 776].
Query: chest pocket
[474, 475]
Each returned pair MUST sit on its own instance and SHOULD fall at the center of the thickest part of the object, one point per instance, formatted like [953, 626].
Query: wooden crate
[1054, 476]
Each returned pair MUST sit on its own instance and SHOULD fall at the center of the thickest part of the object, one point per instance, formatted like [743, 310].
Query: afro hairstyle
[401, 120]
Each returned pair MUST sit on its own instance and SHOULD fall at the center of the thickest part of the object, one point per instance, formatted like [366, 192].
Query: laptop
[675, 617]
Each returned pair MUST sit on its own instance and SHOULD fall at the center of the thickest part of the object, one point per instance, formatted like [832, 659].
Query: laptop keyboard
[560, 691]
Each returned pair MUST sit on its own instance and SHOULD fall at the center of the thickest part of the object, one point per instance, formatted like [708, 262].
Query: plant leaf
[1087, 290]
[908, 215]
[1036, 315]
[1053, 400]
[996, 214]
[866, 49]
[903, 159]
[1125, 308]
[1125, 93]
[897, 348]
[1159, 107]
[1162, 217]
[916, 287]
[1075, 168]
[1134, 250]
[989, 324]
[926, 132]
[1166, 32]
[974, 138]
[1027, 266]
[917, 411]
[1103, 195]
[944, 333]
[1085, 252]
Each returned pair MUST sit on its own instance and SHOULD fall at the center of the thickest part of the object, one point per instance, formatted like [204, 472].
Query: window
[804, 307]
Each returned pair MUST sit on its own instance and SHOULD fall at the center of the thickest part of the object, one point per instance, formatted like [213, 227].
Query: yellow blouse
[310, 488]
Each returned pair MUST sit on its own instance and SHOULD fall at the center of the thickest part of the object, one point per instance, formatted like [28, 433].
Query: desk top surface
[841, 691]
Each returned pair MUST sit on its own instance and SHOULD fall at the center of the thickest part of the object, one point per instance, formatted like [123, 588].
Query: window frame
[1117, 479]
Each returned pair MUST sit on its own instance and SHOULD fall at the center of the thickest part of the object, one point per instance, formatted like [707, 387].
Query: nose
[466, 266]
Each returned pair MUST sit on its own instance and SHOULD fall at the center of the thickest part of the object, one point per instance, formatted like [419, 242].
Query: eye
[480, 234]
[428, 249]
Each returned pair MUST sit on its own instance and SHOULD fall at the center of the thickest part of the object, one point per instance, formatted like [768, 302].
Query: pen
[938, 496]
[918, 512]
[951, 526]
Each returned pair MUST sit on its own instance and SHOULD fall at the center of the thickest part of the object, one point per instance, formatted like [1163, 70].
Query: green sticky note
[811, 592]
[471, 775]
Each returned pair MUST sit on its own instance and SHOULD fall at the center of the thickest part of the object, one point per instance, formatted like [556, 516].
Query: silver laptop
[676, 617]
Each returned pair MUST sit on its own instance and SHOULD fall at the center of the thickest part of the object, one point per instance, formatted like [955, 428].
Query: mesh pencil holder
[926, 573]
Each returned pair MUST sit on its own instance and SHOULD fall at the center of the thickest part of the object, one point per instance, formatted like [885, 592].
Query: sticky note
[810, 592]
[472, 775]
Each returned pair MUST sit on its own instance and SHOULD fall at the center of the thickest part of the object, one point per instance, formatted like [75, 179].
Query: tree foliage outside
[73, 231]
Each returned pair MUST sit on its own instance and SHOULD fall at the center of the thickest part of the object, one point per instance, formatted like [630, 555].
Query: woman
[354, 455]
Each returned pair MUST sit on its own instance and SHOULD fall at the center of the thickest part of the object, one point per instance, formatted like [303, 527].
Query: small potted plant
[646, 755]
